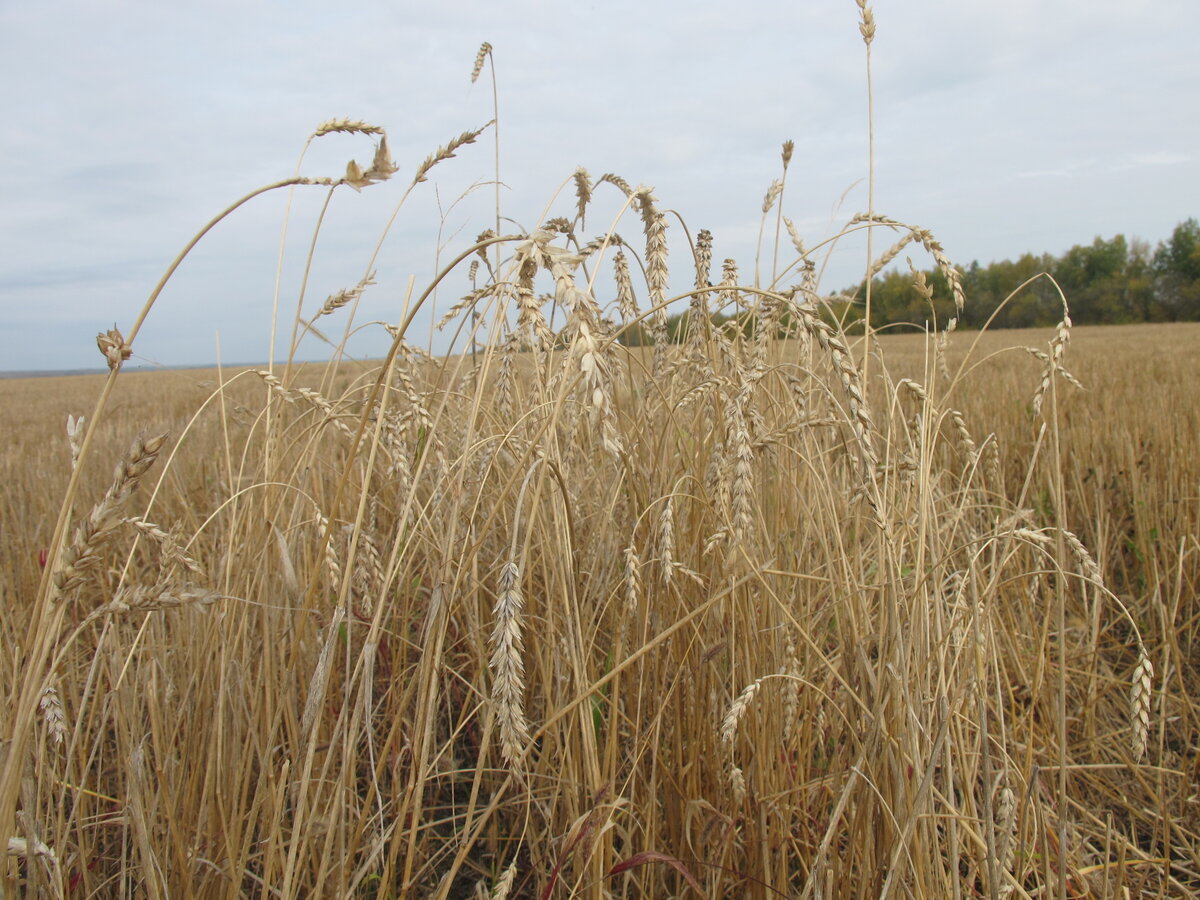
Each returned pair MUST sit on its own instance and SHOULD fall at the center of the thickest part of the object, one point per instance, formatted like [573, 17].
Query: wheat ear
[508, 668]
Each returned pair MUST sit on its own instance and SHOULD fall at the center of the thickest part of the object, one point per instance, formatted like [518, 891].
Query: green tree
[1177, 272]
[1093, 279]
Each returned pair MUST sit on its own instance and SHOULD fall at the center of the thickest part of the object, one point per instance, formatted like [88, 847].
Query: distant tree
[1177, 273]
[1094, 280]
[1139, 299]
[990, 291]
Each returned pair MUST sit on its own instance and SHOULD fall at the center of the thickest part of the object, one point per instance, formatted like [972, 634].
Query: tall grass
[559, 617]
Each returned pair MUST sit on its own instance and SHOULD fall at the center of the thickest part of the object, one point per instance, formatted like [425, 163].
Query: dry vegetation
[727, 618]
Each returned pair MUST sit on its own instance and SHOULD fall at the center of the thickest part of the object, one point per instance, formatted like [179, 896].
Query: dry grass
[728, 618]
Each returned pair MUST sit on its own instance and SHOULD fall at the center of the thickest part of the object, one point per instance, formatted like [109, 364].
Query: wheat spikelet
[345, 126]
[969, 449]
[506, 378]
[1006, 837]
[1139, 703]
[332, 567]
[920, 283]
[926, 239]
[75, 438]
[794, 236]
[112, 345]
[866, 24]
[1053, 360]
[504, 884]
[1057, 368]
[655, 225]
[286, 568]
[446, 152]
[467, 301]
[915, 388]
[741, 489]
[319, 680]
[485, 50]
[666, 540]
[715, 482]
[626, 301]
[508, 667]
[50, 706]
[766, 324]
[293, 395]
[633, 579]
[600, 242]
[19, 846]
[891, 253]
[530, 320]
[737, 782]
[729, 279]
[171, 548]
[584, 322]
[717, 539]
[1086, 562]
[98, 530]
[336, 301]
[791, 697]
[617, 181]
[583, 192]
[704, 243]
[368, 563]
[772, 195]
[860, 416]
[382, 168]
[737, 709]
[991, 460]
[147, 598]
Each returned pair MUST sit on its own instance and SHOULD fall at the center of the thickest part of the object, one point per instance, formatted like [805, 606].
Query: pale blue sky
[1002, 127]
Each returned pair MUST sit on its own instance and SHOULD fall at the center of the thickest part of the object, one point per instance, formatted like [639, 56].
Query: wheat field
[770, 611]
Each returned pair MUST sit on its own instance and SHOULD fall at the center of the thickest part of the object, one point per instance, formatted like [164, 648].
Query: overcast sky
[1027, 125]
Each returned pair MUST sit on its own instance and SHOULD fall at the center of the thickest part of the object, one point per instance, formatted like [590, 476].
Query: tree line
[1106, 282]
